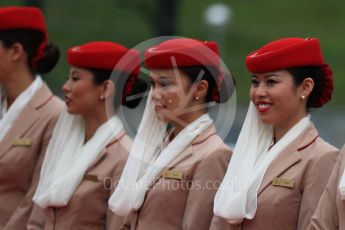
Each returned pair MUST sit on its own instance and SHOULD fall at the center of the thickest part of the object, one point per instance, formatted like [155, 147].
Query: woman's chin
[72, 111]
[161, 117]
[266, 120]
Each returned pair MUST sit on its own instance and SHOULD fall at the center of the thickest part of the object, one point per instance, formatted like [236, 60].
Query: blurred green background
[254, 23]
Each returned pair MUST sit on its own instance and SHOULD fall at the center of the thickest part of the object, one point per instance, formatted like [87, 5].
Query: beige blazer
[21, 159]
[330, 213]
[88, 206]
[307, 163]
[185, 202]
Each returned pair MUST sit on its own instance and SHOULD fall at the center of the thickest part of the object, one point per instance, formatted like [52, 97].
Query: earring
[196, 98]
[303, 97]
[170, 101]
[101, 97]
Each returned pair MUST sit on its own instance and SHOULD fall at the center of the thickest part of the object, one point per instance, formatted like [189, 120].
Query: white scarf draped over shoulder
[342, 180]
[67, 158]
[146, 162]
[8, 116]
[236, 198]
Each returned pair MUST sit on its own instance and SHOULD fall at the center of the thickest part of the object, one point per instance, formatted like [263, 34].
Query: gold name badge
[173, 174]
[283, 182]
[22, 142]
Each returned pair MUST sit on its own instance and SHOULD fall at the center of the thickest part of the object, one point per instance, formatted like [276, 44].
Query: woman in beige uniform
[330, 213]
[89, 147]
[28, 109]
[280, 165]
[171, 175]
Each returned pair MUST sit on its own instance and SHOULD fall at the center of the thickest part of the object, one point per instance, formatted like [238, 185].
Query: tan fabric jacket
[330, 213]
[185, 202]
[307, 163]
[21, 155]
[88, 206]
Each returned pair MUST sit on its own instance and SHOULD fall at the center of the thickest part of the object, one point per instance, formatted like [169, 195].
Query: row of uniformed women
[277, 173]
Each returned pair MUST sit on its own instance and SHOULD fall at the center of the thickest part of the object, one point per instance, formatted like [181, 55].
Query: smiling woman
[280, 165]
[278, 99]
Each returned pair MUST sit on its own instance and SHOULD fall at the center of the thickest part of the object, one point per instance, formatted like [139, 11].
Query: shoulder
[46, 103]
[52, 106]
[320, 149]
[213, 147]
[117, 153]
[120, 147]
[214, 159]
[312, 147]
[319, 160]
[214, 155]
[341, 160]
[49, 114]
[47, 107]
[325, 146]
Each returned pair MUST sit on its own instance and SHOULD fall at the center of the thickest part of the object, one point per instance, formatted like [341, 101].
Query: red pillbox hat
[182, 52]
[104, 55]
[290, 53]
[22, 18]
[285, 53]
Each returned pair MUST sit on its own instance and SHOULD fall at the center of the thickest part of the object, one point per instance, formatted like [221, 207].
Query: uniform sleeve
[126, 223]
[326, 214]
[36, 219]
[315, 182]
[206, 180]
[219, 223]
[114, 221]
[22, 214]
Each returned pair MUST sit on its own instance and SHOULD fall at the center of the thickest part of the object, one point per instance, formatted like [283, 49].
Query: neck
[281, 129]
[186, 120]
[93, 122]
[16, 84]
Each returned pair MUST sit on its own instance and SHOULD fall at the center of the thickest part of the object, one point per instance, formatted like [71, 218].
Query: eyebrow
[75, 72]
[267, 76]
[161, 78]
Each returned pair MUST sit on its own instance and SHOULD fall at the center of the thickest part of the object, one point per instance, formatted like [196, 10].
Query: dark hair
[121, 83]
[31, 40]
[210, 75]
[313, 72]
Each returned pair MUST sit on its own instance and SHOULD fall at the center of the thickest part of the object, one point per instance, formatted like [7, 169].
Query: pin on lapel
[24, 142]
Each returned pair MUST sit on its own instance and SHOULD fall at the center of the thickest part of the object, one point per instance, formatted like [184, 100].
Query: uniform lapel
[104, 152]
[188, 152]
[289, 156]
[26, 119]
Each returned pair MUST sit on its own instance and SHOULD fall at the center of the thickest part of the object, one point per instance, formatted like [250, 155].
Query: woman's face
[172, 94]
[276, 97]
[82, 95]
